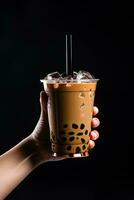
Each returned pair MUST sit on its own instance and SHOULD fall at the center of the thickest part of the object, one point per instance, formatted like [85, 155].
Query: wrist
[17, 163]
[32, 150]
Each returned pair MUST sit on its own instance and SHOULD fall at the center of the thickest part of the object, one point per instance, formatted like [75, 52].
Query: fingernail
[94, 135]
[91, 144]
[96, 121]
[96, 109]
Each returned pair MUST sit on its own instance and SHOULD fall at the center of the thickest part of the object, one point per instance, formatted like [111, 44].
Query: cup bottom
[72, 155]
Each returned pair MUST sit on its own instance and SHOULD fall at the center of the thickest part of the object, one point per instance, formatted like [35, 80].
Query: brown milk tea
[70, 107]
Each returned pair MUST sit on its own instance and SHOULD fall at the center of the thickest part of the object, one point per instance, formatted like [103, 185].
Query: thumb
[43, 102]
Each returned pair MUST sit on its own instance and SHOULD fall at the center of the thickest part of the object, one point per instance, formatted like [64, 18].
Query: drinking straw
[69, 69]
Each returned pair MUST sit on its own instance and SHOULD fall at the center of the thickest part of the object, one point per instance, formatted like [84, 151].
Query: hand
[40, 134]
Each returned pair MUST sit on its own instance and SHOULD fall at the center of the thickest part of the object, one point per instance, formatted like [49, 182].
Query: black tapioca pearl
[63, 139]
[78, 150]
[65, 126]
[69, 148]
[83, 147]
[82, 126]
[86, 132]
[62, 132]
[75, 126]
[71, 138]
[83, 140]
[80, 133]
[71, 133]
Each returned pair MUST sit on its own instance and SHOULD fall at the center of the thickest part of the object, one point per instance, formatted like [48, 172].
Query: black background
[32, 44]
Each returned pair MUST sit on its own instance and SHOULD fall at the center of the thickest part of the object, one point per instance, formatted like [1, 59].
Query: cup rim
[70, 81]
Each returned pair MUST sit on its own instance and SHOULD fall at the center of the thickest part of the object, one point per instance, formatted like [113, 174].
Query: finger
[95, 110]
[91, 144]
[95, 122]
[94, 135]
[43, 101]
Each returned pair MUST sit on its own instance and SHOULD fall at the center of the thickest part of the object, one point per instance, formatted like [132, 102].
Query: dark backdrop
[32, 44]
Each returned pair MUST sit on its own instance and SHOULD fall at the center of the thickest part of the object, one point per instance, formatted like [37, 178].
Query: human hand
[40, 135]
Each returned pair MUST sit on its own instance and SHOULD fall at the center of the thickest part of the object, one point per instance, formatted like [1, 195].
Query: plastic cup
[70, 108]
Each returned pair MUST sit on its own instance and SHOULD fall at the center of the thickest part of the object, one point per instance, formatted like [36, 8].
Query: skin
[17, 163]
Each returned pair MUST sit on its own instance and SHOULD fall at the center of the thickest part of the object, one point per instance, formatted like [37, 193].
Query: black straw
[69, 69]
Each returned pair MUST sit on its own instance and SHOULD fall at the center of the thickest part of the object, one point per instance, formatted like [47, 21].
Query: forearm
[16, 164]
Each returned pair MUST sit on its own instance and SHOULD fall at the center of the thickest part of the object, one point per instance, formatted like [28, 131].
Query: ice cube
[53, 75]
[75, 75]
[69, 77]
[64, 76]
[84, 75]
